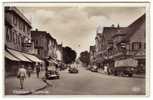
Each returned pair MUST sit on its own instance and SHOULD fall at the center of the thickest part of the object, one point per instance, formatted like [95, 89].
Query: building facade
[92, 54]
[45, 45]
[18, 45]
[116, 43]
[17, 29]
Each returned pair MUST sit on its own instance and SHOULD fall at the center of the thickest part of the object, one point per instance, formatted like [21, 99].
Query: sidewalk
[32, 84]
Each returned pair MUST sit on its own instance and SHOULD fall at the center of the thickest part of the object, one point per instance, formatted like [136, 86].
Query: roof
[132, 28]
[18, 12]
[48, 35]
[109, 32]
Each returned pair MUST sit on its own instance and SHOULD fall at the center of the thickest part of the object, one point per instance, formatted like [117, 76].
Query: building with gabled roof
[120, 42]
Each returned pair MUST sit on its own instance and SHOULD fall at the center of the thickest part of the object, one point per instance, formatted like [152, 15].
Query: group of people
[24, 72]
[105, 68]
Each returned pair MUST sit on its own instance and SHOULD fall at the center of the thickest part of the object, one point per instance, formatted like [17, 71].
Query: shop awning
[19, 55]
[10, 57]
[32, 58]
[52, 61]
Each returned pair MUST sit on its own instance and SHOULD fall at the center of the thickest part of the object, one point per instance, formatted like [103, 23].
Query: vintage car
[51, 73]
[73, 70]
[93, 69]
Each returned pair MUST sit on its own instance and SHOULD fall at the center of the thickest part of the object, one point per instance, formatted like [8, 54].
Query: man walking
[21, 75]
[37, 70]
[29, 70]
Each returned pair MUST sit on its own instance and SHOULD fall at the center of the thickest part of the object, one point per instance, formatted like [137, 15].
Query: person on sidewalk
[37, 70]
[29, 70]
[21, 75]
[105, 69]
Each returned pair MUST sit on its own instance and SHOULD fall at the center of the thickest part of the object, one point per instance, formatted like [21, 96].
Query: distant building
[41, 41]
[45, 45]
[105, 41]
[92, 54]
[59, 52]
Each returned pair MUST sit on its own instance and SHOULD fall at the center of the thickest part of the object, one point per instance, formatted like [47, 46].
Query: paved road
[90, 83]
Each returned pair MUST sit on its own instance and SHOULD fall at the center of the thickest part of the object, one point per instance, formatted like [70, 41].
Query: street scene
[75, 50]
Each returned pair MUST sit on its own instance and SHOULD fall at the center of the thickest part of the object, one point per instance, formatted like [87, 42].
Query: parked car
[73, 70]
[51, 74]
[94, 69]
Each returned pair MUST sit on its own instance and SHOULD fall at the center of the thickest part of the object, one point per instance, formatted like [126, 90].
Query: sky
[76, 26]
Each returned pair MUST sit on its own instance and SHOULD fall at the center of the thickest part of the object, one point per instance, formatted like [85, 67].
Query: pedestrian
[37, 70]
[105, 69]
[29, 70]
[21, 75]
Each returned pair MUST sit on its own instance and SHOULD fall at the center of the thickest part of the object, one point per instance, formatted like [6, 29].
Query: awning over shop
[10, 57]
[18, 55]
[32, 58]
[52, 61]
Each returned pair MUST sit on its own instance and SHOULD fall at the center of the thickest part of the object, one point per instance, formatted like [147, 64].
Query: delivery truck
[125, 67]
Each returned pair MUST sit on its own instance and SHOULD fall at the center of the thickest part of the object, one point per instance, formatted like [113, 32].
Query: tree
[85, 57]
[69, 55]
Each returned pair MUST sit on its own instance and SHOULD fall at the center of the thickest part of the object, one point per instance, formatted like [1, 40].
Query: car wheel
[130, 75]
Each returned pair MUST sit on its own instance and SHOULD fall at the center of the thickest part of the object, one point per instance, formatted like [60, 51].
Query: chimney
[36, 29]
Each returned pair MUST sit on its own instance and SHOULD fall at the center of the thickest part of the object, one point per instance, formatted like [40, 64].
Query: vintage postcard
[76, 48]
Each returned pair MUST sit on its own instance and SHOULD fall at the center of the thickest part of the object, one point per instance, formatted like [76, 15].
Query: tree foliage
[85, 57]
[69, 55]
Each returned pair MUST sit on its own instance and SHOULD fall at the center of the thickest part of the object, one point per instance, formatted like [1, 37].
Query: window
[7, 34]
[15, 38]
[22, 40]
[20, 26]
[14, 20]
[144, 45]
[19, 40]
[24, 28]
[37, 42]
[12, 36]
[136, 45]
[38, 52]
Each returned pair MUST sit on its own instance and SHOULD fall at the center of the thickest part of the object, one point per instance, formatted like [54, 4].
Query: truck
[125, 67]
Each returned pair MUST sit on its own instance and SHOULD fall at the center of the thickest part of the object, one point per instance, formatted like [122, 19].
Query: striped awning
[10, 57]
[32, 58]
[18, 55]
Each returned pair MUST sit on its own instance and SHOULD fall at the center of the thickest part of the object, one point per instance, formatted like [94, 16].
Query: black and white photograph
[76, 48]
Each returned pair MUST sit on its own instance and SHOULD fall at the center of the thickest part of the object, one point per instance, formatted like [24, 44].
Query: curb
[38, 89]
